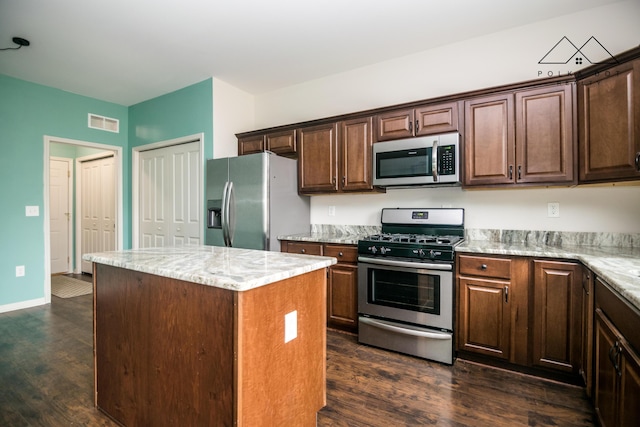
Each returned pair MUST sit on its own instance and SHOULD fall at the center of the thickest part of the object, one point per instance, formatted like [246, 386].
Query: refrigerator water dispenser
[214, 213]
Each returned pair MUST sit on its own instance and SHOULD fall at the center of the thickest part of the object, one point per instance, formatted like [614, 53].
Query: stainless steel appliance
[426, 160]
[405, 282]
[252, 199]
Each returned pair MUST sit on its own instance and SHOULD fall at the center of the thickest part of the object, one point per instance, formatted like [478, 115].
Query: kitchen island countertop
[228, 268]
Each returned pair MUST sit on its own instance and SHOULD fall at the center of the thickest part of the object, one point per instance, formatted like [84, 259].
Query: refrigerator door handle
[224, 215]
[231, 214]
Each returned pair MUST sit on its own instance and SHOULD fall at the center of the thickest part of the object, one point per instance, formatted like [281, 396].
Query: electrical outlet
[19, 270]
[332, 211]
[553, 209]
[290, 326]
[32, 210]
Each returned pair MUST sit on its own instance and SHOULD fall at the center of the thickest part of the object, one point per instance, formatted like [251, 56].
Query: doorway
[79, 150]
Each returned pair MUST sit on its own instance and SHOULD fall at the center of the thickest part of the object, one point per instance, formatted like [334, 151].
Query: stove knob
[373, 249]
[420, 253]
[432, 254]
[383, 250]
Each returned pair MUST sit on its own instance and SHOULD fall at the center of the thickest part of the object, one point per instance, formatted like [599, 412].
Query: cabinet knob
[638, 161]
[483, 266]
[340, 254]
[303, 251]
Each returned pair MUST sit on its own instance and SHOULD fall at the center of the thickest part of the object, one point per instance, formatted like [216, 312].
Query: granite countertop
[616, 265]
[228, 268]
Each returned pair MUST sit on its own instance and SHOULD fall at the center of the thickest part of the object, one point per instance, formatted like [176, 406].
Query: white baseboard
[22, 304]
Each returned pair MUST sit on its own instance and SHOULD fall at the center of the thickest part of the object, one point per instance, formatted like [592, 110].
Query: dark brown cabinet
[484, 311]
[342, 288]
[342, 284]
[336, 157]
[609, 124]
[523, 137]
[410, 122]
[557, 315]
[617, 364]
[280, 142]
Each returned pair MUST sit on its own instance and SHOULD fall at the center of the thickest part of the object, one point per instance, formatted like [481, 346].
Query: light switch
[32, 210]
[290, 326]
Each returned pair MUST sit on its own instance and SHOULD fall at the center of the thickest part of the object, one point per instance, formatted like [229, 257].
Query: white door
[98, 207]
[170, 195]
[60, 214]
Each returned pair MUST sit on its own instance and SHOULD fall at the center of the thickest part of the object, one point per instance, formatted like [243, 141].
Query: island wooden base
[170, 352]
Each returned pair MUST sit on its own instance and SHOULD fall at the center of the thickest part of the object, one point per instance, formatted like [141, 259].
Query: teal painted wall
[28, 112]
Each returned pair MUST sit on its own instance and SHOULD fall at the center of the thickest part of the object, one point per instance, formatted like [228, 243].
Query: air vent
[104, 123]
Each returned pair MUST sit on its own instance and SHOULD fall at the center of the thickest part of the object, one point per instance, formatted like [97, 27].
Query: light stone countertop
[228, 268]
[618, 266]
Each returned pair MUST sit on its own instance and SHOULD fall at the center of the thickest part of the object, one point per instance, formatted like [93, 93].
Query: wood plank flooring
[46, 379]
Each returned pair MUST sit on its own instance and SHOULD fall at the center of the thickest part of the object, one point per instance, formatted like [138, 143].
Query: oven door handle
[407, 264]
[405, 331]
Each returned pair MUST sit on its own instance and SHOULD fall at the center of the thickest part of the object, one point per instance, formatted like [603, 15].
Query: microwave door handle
[434, 161]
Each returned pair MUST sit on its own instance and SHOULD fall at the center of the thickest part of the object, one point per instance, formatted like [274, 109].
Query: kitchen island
[202, 335]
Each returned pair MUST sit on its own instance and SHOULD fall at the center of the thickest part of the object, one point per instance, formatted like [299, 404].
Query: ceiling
[128, 51]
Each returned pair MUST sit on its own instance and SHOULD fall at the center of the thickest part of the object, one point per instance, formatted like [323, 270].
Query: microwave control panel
[447, 160]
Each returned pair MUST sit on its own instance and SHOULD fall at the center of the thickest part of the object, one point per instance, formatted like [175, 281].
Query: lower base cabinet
[617, 365]
[342, 283]
[521, 311]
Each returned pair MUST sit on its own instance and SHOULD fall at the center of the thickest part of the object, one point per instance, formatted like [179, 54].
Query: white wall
[233, 112]
[500, 58]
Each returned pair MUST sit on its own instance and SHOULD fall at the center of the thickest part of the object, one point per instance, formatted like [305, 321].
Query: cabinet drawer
[485, 266]
[347, 254]
[304, 248]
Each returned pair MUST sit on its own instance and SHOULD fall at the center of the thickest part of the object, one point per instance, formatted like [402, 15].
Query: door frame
[69, 161]
[78, 207]
[135, 180]
[47, 140]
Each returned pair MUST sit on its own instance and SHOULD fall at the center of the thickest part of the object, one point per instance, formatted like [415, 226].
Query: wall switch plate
[32, 210]
[19, 270]
[553, 209]
[332, 211]
[290, 326]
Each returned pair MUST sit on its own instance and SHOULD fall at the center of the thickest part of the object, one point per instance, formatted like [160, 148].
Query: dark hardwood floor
[46, 379]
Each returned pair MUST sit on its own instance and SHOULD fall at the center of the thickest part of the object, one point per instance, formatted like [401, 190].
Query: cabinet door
[557, 315]
[629, 402]
[609, 116]
[544, 135]
[356, 140]
[342, 302]
[438, 118]
[250, 145]
[282, 143]
[489, 140]
[318, 159]
[395, 125]
[605, 373]
[484, 317]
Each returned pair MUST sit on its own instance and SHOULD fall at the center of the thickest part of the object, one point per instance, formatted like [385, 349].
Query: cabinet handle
[638, 161]
[344, 179]
[410, 127]
[418, 126]
[506, 294]
[614, 354]
[483, 266]
[510, 171]
[519, 172]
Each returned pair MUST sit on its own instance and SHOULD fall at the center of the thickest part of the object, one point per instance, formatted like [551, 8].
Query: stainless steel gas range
[405, 282]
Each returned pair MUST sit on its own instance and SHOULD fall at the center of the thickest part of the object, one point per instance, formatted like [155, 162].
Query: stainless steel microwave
[425, 160]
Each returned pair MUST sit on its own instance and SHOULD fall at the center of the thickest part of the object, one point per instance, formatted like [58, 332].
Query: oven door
[414, 292]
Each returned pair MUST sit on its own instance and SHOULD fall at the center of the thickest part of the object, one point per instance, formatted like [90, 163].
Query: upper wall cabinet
[336, 157]
[280, 142]
[609, 124]
[522, 137]
[427, 120]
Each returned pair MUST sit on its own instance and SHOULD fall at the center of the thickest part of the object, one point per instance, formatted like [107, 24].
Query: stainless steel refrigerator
[253, 199]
